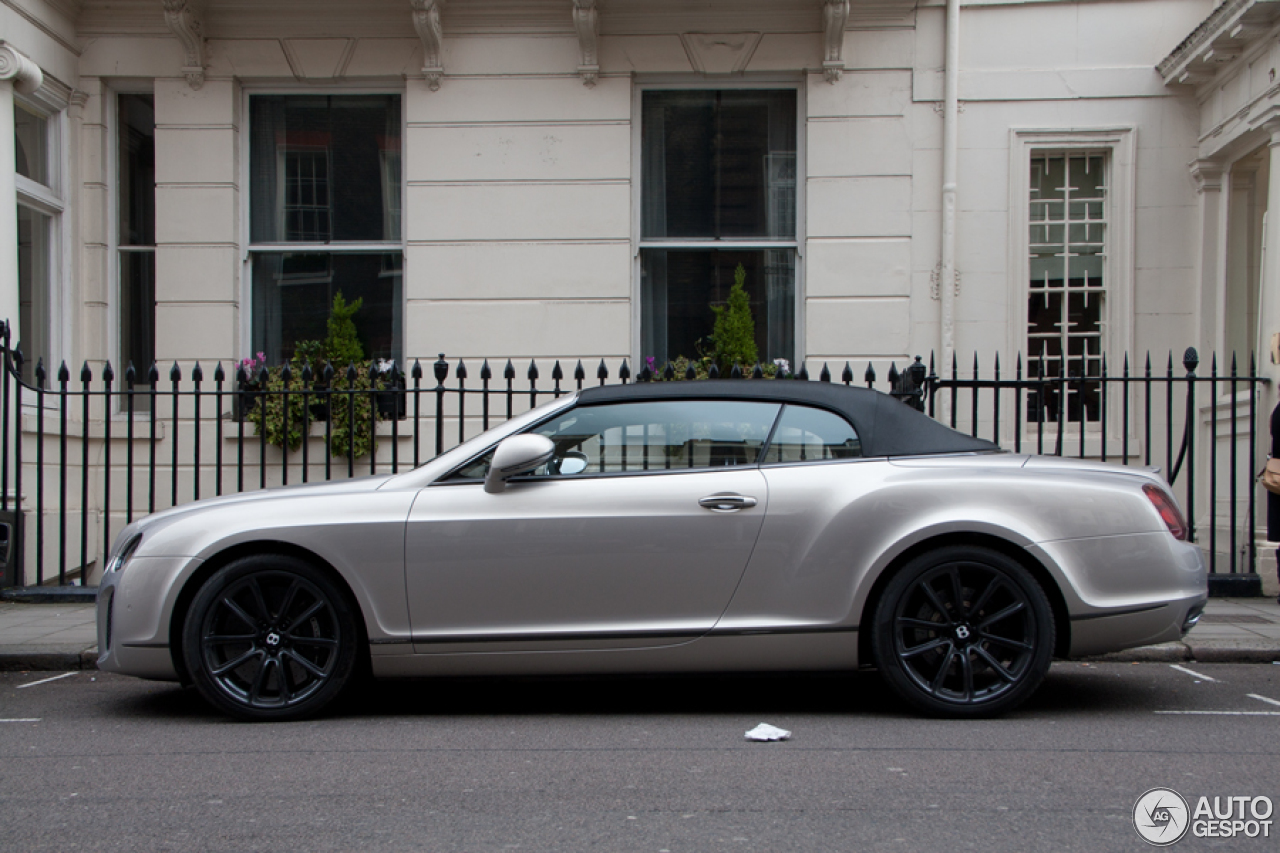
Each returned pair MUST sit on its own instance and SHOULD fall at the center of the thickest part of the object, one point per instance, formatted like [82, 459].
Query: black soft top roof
[886, 426]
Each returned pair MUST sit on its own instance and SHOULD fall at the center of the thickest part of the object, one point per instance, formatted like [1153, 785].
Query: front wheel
[270, 638]
[963, 632]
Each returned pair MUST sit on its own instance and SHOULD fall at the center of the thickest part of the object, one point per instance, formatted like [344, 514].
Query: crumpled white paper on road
[766, 732]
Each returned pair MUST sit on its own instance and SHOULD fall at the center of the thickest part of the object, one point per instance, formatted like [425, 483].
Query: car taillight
[1169, 512]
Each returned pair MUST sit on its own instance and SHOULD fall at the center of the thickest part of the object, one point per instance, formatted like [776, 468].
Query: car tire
[963, 631]
[270, 637]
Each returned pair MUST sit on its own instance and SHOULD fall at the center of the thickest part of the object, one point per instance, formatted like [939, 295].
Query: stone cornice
[1220, 39]
[426, 21]
[185, 22]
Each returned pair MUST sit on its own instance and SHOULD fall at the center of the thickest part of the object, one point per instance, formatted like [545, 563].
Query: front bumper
[133, 611]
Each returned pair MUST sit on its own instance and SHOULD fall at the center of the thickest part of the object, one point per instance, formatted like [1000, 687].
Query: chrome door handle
[726, 503]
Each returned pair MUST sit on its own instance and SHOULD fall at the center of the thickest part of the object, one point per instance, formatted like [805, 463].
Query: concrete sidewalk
[63, 636]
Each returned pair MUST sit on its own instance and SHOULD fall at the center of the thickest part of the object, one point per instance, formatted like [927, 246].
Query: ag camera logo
[1161, 817]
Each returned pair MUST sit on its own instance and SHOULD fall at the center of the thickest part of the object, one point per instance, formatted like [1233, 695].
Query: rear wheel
[270, 638]
[963, 632]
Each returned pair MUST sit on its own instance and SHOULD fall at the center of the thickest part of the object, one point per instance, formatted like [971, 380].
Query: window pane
[678, 288]
[137, 187]
[31, 135]
[293, 292]
[658, 436]
[137, 313]
[807, 435]
[34, 284]
[1067, 276]
[719, 163]
[324, 167]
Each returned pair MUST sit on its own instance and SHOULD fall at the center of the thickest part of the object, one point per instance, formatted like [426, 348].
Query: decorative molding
[586, 20]
[185, 23]
[1207, 175]
[1230, 31]
[835, 15]
[426, 20]
[20, 68]
[720, 53]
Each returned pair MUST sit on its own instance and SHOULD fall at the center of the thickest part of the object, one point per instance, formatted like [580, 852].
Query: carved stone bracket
[835, 15]
[426, 20]
[586, 20]
[19, 68]
[1207, 175]
[184, 22]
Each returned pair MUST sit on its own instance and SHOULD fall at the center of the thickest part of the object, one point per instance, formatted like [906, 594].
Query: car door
[635, 535]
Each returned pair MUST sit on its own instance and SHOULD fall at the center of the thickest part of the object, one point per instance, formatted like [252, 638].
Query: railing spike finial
[40, 372]
[579, 373]
[461, 370]
[803, 375]
[486, 372]
[175, 373]
[669, 372]
[713, 372]
[416, 371]
[328, 373]
[1233, 363]
[130, 375]
[869, 375]
[532, 373]
[440, 369]
[197, 373]
[690, 372]
[1191, 360]
[758, 372]
[374, 372]
[825, 375]
[894, 375]
[735, 372]
[307, 373]
[264, 376]
[509, 372]
[846, 375]
[153, 374]
[108, 375]
[86, 375]
[602, 372]
[624, 372]
[998, 362]
[286, 374]
[351, 374]
[18, 358]
[64, 375]
[219, 375]
[557, 373]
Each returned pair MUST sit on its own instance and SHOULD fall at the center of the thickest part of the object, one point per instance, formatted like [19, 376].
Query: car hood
[332, 487]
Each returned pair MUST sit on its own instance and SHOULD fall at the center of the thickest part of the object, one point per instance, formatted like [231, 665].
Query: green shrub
[733, 338]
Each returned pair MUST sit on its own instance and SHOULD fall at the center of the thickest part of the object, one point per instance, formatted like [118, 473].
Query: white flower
[782, 364]
[385, 365]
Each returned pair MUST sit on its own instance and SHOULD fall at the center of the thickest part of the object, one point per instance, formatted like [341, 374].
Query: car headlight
[118, 560]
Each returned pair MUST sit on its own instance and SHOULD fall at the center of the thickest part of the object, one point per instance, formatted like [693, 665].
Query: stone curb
[48, 661]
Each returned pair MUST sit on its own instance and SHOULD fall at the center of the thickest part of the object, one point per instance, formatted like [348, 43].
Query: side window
[811, 435]
[651, 436]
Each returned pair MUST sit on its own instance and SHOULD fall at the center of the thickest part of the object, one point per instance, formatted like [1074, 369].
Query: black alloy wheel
[270, 638]
[963, 632]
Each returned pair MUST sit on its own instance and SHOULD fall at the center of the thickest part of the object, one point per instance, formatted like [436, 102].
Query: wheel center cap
[273, 639]
[963, 632]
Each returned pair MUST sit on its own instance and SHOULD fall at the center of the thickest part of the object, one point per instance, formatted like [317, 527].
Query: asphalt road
[90, 761]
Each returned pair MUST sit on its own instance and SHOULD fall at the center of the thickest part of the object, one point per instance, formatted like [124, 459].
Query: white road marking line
[46, 680]
[1191, 672]
[1226, 713]
[1262, 699]
[22, 720]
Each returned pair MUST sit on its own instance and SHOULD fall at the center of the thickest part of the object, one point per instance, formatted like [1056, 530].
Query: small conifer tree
[734, 333]
[342, 346]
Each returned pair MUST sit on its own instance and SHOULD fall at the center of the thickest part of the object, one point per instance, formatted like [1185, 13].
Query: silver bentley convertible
[663, 527]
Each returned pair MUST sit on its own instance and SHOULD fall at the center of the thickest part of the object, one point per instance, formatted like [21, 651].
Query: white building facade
[581, 179]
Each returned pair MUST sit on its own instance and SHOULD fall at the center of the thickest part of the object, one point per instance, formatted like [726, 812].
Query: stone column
[17, 73]
[1211, 283]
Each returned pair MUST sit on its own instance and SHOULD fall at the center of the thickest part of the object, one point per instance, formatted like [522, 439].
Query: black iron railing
[83, 458]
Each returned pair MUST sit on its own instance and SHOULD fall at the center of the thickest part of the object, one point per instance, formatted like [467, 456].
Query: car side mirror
[518, 454]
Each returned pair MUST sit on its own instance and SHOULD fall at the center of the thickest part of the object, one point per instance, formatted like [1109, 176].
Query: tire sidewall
[1014, 573]
[210, 593]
